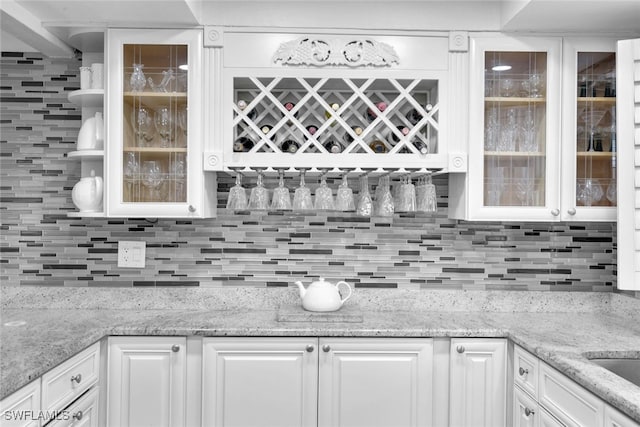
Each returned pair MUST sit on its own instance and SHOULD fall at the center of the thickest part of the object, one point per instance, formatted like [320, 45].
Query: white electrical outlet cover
[131, 254]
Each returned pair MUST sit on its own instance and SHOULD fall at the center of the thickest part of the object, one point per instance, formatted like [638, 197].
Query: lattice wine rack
[325, 123]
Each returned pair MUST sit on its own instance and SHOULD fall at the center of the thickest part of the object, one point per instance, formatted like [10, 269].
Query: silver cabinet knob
[326, 348]
[175, 348]
[460, 349]
[523, 371]
[77, 416]
[555, 212]
[571, 211]
[76, 378]
[529, 412]
[310, 348]
[192, 208]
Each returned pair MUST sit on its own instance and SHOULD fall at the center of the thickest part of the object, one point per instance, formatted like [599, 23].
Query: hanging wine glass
[142, 126]
[365, 203]
[163, 120]
[237, 196]
[281, 199]
[384, 205]
[302, 196]
[344, 197]
[259, 197]
[324, 197]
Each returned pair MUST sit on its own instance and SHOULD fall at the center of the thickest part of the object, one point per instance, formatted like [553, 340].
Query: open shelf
[87, 98]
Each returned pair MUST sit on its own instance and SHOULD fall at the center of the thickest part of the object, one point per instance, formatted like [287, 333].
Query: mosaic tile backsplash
[40, 245]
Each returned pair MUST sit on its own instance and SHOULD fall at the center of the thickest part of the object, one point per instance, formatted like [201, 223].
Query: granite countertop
[36, 336]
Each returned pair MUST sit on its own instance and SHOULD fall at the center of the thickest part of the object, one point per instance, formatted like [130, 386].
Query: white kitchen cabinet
[16, 409]
[628, 123]
[330, 102]
[525, 409]
[308, 382]
[477, 394]
[260, 381]
[83, 412]
[146, 381]
[615, 418]
[375, 382]
[543, 128]
[154, 125]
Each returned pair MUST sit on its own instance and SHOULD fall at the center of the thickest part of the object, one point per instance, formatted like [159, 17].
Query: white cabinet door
[588, 130]
[478, 382]
[514, 124]
[260, 382]
[615, 418]
[147, 379]
[629, 164]
[375, 382]
[154, 125]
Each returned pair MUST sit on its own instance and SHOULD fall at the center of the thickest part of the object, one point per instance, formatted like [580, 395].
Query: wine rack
[335, 123]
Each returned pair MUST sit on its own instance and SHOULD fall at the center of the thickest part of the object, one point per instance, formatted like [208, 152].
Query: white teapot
[87, 193]
[322, 295]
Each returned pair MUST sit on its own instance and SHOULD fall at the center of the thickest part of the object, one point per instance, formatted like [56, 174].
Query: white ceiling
[48, 26]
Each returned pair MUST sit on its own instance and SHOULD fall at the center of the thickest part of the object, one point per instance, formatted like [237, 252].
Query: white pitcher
[91, 135]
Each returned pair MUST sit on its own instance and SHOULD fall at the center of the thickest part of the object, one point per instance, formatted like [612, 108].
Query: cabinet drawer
[568, 401]
[22, 407]
[63, 384]
[83, 412]
[525, 370]
[615, 418]
[525, 409]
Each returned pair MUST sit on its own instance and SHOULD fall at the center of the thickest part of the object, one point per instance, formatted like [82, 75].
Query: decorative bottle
[138, 80]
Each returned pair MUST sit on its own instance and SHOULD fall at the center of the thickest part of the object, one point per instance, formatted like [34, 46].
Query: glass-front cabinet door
[589, 152]
[515, 123]
[154, 94]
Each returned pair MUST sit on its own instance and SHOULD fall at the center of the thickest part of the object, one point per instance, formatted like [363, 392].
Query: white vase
[91, 135]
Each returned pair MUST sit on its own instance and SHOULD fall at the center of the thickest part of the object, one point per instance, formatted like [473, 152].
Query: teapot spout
[303, 291]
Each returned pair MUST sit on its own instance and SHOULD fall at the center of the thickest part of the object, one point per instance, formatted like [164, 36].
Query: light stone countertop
[40, 329]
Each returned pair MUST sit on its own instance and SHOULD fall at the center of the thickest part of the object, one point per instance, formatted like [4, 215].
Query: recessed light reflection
[501, 67]
[185, 67]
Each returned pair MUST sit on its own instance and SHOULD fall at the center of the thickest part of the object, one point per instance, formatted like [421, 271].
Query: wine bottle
[289, 146]
[312, 129]
[421, 146]
[403, 130]
[242, 104]
[265, 129]
[242, 144]
[347, 136]
[290, 106]
[333, 146]
[371, 114]
[335, 106]
[413, 116]
[378, 146]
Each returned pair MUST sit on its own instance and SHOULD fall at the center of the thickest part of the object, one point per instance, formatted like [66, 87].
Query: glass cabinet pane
[596, 129]
[155, 123]
[514, 128]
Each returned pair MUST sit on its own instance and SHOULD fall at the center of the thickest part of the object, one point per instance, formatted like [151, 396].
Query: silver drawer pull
[523, 371]
[77, 415]
[326, 348]
[528, 412]
[76, 378]
[175, 348]
[460, 349]
[310, 348]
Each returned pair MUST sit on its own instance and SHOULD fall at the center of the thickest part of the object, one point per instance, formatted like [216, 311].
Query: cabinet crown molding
[353, 52]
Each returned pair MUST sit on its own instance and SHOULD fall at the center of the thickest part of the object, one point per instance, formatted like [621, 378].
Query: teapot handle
[348, 286]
